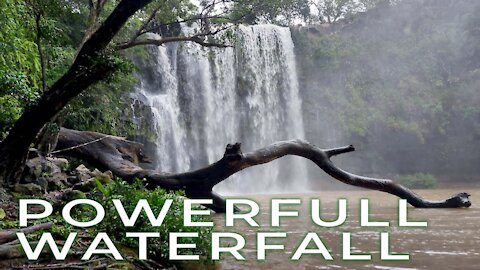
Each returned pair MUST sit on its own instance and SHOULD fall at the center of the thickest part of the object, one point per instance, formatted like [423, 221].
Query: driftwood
[9, 247]
[100, 264]
[122, 156]
[11, 235]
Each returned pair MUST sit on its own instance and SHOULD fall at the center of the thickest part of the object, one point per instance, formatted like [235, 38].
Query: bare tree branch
[196, 18]
[158, 42]
[141, 30]
[121, 157]
[199, 38]
[341, 150]
[11, 235]
[204, 17]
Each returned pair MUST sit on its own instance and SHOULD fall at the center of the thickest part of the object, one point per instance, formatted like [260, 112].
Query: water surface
[451, 240]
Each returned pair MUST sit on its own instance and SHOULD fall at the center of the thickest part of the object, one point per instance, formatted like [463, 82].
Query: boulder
[70, 195]
[40, 166]
[62, 163]
[83, 173]
[42, 182]
[57, 181]
[28, 189]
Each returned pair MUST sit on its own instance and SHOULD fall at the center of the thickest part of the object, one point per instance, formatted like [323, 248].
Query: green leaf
[101, 187]
[2, 214]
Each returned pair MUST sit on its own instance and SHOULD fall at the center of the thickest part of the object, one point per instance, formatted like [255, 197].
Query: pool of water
[451, 240]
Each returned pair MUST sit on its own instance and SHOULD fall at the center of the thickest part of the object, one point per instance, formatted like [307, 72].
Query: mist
[401, 83]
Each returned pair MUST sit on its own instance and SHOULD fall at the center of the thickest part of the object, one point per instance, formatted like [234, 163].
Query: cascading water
[203, 98]
[160, 94]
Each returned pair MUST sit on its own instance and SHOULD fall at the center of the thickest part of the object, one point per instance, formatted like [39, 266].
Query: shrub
[129, 194]
[418, 180]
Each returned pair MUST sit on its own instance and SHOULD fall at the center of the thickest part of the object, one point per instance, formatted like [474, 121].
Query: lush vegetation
[19, 62]
[129, 195]
[376, 74]
[282, 12]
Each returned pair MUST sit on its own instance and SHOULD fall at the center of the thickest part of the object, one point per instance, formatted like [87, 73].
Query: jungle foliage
[19, 63]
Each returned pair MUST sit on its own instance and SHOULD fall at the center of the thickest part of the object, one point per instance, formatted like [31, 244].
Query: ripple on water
[391, 267]
[433, 252]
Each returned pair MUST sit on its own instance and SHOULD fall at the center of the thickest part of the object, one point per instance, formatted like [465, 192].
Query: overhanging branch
[199, 38]
[121, 157]
[159, 42]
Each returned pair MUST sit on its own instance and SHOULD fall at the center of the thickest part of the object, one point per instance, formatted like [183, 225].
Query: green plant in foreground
[129, 195]
[418, 180]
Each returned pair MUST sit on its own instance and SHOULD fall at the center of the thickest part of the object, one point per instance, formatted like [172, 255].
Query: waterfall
[204, 98]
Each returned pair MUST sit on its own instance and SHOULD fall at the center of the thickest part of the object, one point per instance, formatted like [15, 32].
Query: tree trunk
[90, 66]
[122, 157]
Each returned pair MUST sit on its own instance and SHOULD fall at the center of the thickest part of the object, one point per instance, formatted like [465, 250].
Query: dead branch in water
[122, 156]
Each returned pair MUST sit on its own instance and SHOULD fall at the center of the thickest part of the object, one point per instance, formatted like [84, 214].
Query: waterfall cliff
[204, 98]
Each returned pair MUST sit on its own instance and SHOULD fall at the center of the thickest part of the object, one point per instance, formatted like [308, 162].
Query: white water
[202, 99]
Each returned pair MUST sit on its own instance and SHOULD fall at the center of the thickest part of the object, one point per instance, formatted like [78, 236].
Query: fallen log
[122, 156]
[90, 264]
[11, 235]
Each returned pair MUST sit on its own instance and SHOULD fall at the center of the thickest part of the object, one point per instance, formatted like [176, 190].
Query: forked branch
[120, 156]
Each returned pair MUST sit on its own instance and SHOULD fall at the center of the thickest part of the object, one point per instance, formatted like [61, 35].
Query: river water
[451, 240]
